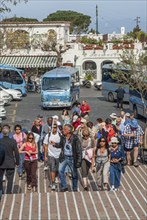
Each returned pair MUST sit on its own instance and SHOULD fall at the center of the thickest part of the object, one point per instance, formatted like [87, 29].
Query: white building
[87, 58]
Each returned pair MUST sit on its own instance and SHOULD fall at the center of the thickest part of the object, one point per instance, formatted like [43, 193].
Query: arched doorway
[89, 67]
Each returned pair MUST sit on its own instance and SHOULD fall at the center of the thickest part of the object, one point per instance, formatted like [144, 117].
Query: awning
[29, 61]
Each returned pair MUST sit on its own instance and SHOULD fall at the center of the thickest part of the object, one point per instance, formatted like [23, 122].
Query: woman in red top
[30, 161]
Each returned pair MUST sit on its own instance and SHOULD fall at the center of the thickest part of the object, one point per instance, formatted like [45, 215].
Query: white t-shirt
[53, 151]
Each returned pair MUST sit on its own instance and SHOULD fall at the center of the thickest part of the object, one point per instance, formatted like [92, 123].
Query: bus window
[16, 78]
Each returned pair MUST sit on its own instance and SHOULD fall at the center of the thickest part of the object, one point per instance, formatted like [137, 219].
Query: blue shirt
[117, 154]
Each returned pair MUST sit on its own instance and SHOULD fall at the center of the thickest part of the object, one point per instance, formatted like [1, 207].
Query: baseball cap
[127, 114]
[83, 120]
[114, 140]
[75, 117]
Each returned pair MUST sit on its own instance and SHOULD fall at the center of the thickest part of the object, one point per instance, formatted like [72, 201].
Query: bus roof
[115, 66]
[8, 67]
[61, 71]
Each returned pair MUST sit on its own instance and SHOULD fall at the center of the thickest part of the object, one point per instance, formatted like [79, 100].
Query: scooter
[86, 83]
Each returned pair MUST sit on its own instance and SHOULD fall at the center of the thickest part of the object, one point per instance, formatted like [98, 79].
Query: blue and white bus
[11, 78]
[60, 87]
[109, 85]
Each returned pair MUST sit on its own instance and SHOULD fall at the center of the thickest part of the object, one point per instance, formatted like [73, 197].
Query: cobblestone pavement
[130, 202]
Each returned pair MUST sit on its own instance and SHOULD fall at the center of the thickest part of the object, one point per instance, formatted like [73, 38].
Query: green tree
[5, 4]
[79, 21]
[21, 19]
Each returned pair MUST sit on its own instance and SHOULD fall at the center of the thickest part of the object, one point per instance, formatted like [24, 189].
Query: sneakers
[112, 188]
[45, 168]
[64, 190]
[86, 188]
[53, 187]
[56, 180]
[136, 164]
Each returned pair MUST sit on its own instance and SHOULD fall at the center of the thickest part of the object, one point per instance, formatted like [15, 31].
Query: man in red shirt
[85, 109]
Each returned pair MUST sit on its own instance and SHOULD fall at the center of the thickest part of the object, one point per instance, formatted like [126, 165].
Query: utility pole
[97, 19]
[137, 22]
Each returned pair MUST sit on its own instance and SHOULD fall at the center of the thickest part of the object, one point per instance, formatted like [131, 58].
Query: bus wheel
[110, 97]
[135, 111]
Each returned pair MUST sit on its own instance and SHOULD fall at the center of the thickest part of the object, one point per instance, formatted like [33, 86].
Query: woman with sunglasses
[88, 146]
[102, 163]
[116, 157]
[20, 138]
[30, 162]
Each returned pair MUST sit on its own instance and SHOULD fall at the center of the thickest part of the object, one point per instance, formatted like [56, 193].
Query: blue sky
[112, 14]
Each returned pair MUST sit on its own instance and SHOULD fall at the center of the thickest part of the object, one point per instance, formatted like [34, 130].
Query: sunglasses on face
[30, 138]
[102, 141]
[114, 143]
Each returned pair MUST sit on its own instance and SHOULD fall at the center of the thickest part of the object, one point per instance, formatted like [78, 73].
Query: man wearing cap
[133, 138]
[11, 159]
[113, 116]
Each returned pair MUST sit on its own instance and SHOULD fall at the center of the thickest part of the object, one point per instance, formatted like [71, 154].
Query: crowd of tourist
[73, 143]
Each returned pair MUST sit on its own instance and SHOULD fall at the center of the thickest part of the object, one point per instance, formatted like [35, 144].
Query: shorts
[53, 164]
[130, 149]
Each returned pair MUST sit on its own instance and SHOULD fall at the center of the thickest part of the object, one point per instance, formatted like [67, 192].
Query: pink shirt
[20, 139]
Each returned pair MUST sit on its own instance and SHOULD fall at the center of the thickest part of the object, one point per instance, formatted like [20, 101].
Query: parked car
[15, 94]
[98, 85]
[2, 110]
[5, 97]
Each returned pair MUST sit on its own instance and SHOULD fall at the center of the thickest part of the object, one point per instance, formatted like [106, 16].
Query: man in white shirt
[52, 153]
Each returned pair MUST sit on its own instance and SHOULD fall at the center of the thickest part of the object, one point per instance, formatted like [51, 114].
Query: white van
[5, 97]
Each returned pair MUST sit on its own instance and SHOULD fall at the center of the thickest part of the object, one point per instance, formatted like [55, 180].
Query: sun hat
[55, 117]
[127, 114]
[114, 140]
[83, 120]
[134, 123]
[75, 117]
[113, 115]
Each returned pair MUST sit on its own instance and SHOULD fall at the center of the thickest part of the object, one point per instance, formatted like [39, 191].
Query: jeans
[21, 162]
[9, 175]
[68, 161]
[40, 154]
[115, 175]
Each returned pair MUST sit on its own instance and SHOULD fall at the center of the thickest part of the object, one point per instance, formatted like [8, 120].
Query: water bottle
[31, 159]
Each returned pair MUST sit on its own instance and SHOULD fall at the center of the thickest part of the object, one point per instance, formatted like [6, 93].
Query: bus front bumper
[56, 104]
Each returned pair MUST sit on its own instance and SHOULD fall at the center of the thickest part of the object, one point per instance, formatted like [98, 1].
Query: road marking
[136, 187]
[16, 104]
[12, 207]
[75, 203]
[144, 179]
[39, 206]
[137, 179]
[131, 205]
[67, 208]
[103, 205]
[3, 206]
[145, 173]
[38, 180]
[136, 200]
[48, 205]
[95, 209]
[106, 193]
[45, 184]
[30, 210]
[58, 208]
[121, 205]
[14, 180]
[21, 206]
[126, 181]
[85, 206]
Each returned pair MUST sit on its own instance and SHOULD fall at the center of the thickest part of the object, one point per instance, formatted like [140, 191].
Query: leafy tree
[79, 21]
[4, 4]
[21, 19]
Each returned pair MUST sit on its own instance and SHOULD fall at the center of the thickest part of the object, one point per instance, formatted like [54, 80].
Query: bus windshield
[55, 83]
